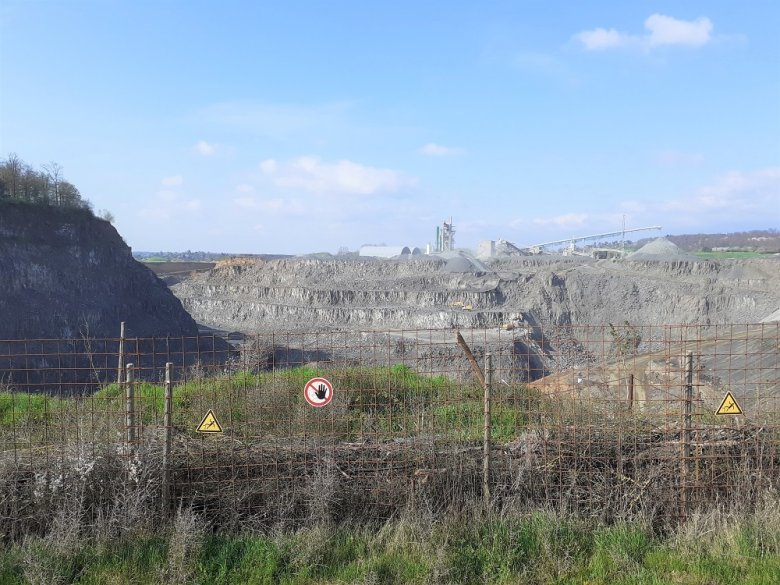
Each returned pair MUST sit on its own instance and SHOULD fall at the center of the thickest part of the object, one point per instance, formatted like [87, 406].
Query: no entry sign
[318, 392]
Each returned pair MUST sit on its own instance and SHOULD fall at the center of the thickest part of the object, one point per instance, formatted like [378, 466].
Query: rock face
[308, 294]
[66, 274]
[536, 314]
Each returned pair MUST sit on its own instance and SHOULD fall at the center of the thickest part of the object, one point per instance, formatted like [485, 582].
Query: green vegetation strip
[737, 255]
[389, 400]
[538, 547]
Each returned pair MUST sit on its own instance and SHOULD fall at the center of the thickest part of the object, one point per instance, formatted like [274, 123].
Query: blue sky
[291, 127]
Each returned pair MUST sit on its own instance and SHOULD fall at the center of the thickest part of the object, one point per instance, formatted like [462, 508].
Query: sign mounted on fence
[318, 392]
[729, 405]
[209, 424]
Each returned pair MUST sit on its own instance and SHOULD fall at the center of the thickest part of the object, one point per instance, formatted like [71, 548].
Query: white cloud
[269, 166]
[168, 203]
[281, 206]
[205, 149]
[600, 38]
[739, 191]
[245, 202]
[432, 149]
[272, 206]
[167, 195]
[665, 30]
[245, 188]
[661, 30]
[310, 173]
[734, 200]
[563, 221]
[174, 181]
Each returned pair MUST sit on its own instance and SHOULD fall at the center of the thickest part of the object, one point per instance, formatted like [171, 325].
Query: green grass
[22, 410]
[465, 420]
[539, 547]
[155, 259]
[383, 400]
[738, 255]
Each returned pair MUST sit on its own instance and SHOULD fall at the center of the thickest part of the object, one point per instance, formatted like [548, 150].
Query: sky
[296, 127]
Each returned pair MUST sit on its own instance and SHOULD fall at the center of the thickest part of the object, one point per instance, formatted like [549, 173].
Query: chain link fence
[608, 422]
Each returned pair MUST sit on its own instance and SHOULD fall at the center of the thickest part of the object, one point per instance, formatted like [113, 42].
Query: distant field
[154, 259]
[163, 267]
[731, 255]
[174, 272]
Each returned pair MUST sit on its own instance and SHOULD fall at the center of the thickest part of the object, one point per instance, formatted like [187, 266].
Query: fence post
[470, 356]
[130, 408]
[486, 445]
[121, 367]
[688, 405]
[167, 421]
[630, 392]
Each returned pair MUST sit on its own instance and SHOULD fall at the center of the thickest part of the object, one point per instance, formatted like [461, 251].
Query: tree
[54, 172]
[625, 341]
[11, 172]
[625, 344]
[20, 182]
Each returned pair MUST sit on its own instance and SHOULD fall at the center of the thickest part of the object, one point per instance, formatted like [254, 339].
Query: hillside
[762, 241]
[66, 273]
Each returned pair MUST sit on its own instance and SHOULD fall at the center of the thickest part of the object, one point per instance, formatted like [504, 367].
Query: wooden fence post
[686, 434]
[486, 446]
[130, 408]
[121, 367]
[168, 423]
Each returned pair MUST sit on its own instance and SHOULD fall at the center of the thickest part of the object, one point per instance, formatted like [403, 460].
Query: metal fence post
[486, 445]
[130, 408]
[167, 422]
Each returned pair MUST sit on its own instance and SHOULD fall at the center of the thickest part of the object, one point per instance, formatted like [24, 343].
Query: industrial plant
[444, 241]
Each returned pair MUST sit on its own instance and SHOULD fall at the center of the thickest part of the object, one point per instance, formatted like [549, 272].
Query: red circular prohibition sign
[318, 392]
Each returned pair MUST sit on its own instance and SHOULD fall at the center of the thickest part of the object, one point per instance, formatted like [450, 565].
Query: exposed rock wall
[65, 274]
[68, 277]
[378, 294]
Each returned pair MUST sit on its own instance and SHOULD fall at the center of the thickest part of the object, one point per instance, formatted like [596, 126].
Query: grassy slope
[392, 400]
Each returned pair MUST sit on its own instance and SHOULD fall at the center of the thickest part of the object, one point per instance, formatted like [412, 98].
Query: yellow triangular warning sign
[209, 424]
[729, 405]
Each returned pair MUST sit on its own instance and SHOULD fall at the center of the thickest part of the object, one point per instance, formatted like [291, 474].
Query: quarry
[544, 313]
[459, 291]
[559, 379]
[546, 316]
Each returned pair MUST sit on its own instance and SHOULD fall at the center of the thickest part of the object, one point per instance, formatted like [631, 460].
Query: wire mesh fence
[604, 421]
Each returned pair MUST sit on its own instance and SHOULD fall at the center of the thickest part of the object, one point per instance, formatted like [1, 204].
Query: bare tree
[12, 174]
[54, 172]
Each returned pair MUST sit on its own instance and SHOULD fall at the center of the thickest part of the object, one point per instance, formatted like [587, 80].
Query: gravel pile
[459, 264]
[663, 250]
